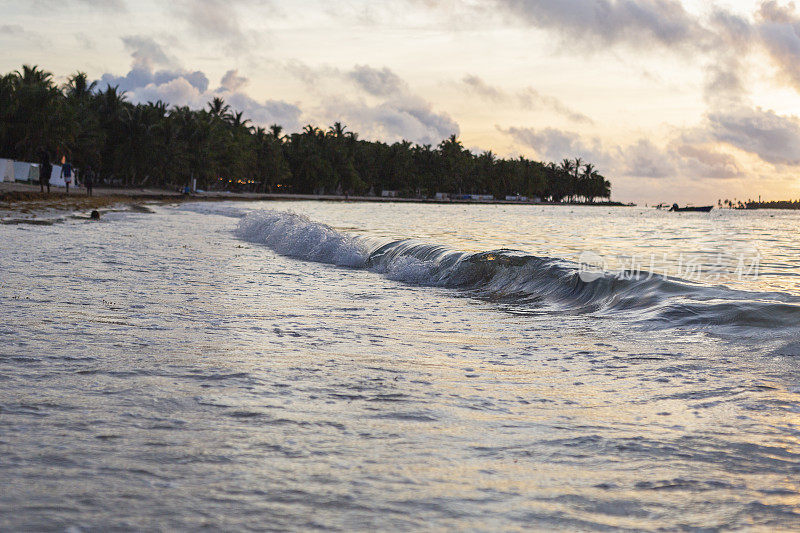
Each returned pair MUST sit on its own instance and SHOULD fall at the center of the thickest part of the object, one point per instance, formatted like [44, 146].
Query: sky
[673, 101]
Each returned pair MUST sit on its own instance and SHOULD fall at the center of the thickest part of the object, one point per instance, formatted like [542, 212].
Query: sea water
[344, 366]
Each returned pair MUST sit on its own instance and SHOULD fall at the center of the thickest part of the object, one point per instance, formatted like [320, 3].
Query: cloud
[773, 138]
[11, 29]
[304, 73]
[481, 88]
[588, 22]
[647, 160]
[389, 110]
[700, 161]
[399, 113]
[528, 98]
[85, 41]
[402, 115]
[147, 54]
[684, 156]
[779, 31]
[109, 5]
[533, 99]
[216, 18]
[723, 38]
[180, 87]
[410, 118]
[377, 82]
[145, 51]
[140, 76]
[701, 152]
[267, 112]
[118, 6]
[17, 32]
[725, 41]
[219, 20]
[554, 145]
[732, 118]
[180, 91]
[726, 71]
[177, 92]
[231, 81]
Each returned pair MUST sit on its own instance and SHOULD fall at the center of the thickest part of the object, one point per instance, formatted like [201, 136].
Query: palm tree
[78, 87]
[455, 163]
[111, 100]
[218, 108]
[567, 166]
[575, 179]
[154, 144]
[312, 131]
[237, 120]
[585, 182]
[36, 120]
[337, 130]
[568, 169]
[34, 76]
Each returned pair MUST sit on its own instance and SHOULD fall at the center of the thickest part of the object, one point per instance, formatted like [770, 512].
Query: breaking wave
[526, 281]
[296, 236]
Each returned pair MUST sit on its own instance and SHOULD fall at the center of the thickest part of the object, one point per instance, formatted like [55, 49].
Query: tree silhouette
[156, 145]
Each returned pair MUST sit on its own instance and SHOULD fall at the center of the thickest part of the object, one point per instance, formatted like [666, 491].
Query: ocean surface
[346, 366]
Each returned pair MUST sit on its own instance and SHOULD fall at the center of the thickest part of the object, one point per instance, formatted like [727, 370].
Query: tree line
[758, 204]
[155, 145]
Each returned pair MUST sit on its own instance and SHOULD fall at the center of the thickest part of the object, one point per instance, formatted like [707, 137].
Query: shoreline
[24, 198]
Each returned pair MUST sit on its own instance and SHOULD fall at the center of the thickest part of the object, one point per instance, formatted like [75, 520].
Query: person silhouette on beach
[88, 179]
[45, 169]
[66, 173]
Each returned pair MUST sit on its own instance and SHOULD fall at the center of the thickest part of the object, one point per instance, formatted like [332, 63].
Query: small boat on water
[701, 209]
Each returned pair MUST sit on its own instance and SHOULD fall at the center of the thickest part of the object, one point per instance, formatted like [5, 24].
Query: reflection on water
[156, 372]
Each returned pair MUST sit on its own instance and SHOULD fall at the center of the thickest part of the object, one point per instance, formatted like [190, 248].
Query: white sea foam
[295, 235]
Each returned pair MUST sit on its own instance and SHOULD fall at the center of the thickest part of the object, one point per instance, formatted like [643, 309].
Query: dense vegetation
[155, 145]
[781, 204]
[758, 204]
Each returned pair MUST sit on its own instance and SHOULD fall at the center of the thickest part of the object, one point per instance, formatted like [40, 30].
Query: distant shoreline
[15, 197]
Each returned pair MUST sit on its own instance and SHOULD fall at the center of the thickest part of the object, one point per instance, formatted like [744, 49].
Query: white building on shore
[11, 170]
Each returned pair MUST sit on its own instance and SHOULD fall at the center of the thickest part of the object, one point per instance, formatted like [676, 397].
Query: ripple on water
[163, 365]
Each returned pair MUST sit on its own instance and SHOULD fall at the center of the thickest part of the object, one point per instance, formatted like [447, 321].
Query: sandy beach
[26, 201]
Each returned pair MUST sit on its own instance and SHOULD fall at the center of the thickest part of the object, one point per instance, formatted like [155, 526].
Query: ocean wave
[296, 236]
[525, 280]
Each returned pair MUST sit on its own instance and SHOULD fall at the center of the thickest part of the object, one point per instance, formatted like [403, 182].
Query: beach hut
[6, 170]
[55, 177]
[480, 197]
[22, 171]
